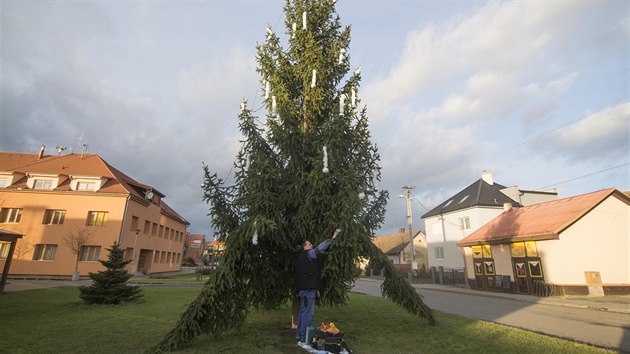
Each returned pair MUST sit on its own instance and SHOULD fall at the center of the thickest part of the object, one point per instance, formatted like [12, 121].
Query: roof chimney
[487, 177]
[41, 152]
[507, 206]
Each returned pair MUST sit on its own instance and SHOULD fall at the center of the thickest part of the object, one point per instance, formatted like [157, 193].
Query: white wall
[597, 242]
[453, 258]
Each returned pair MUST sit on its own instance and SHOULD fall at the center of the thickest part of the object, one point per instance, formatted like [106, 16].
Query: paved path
[552, 316]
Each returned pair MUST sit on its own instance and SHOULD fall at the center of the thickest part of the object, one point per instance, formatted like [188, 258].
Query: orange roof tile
[542, 221]
[78, 165]
[393, 243]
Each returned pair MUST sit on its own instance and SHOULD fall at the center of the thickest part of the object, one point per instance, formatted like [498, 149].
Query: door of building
[527, 270]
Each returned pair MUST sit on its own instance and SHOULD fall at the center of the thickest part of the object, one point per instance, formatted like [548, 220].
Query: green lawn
[56, 321]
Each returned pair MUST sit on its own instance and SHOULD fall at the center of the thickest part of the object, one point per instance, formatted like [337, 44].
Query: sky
[535, 92]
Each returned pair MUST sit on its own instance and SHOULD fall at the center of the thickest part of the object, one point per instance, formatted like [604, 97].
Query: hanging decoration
[342, 100]
[273, 105]
[361, 195]
[325, 169]
[341, 53]
[294, 27]
[269, 32]
[242, 106]
[304, 20]
[267, 89]
[357, 71]
[354, 98]
[255, 236]
[314, 78]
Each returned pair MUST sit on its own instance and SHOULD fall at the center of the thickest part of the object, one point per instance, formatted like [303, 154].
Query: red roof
[393, 243]
[542, 221]
[90, 165]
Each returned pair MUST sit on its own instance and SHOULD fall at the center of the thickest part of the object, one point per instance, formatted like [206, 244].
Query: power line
[584, 176]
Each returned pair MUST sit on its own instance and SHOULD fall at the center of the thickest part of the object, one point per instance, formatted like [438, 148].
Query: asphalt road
[600, 328]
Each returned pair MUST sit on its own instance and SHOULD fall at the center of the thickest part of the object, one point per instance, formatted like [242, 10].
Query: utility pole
[407, 189]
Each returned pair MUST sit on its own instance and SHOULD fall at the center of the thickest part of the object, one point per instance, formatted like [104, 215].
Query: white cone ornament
[273, 105]
[341, 53]
[269, 32]
[267, 89]
[294, 28]
[342, 101]
[242, 106]
[255, 236]
[354, 98]
[325, 169]
[304, 20]
[361, 195]
[314, 78]
[357, 71]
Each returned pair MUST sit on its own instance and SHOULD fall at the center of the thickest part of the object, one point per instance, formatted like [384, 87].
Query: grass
[55, 321]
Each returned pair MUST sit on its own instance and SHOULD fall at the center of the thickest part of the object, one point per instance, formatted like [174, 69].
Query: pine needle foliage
[309, 169]
[110, 286]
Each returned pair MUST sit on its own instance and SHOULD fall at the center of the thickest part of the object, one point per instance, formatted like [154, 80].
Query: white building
[467, 211]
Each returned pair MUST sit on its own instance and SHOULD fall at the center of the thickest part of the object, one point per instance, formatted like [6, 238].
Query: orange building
[53, 199]
[195, 245]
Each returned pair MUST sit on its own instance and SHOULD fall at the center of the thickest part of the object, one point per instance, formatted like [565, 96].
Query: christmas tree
[110, 286]
[305, 170]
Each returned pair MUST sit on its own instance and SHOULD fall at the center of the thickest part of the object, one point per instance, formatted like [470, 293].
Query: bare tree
[22, 248]
[76, 240]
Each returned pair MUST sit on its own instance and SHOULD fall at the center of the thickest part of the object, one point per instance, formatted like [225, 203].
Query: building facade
[468, 210]
[397, 248]
[53, 201]
[571, 246]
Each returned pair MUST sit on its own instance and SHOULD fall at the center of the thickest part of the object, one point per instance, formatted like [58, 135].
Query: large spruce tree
[306, 169]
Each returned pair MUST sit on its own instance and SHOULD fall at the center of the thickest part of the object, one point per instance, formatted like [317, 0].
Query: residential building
[468, 210]
[50, 199]
[398, 250]
[572, 246]
[195, 247]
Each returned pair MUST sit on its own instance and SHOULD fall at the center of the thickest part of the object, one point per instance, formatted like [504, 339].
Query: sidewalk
[619, 304]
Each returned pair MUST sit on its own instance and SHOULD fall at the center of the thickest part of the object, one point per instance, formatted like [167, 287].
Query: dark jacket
[307, 272]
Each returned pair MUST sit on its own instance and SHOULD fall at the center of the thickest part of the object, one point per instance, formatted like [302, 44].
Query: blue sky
[535, 92]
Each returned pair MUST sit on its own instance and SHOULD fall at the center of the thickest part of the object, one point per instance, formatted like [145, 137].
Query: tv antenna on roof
[79, 140]
[60, 149]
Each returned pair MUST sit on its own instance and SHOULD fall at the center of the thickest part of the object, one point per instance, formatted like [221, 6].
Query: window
[161, 234]
[134, 223]
[464, 223]
[44, 252]
[154, 229]
[97, 218]
[463, 199]
[156, 257]
[147, 226]
[43, 184]
[86, 186]
[4, 182]
[10, 215]
[439, 252]
[90, 253]
[4, 249]
[54, 217]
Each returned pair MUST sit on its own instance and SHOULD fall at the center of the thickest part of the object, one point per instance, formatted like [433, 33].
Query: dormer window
[43, 184]
[86, 186]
